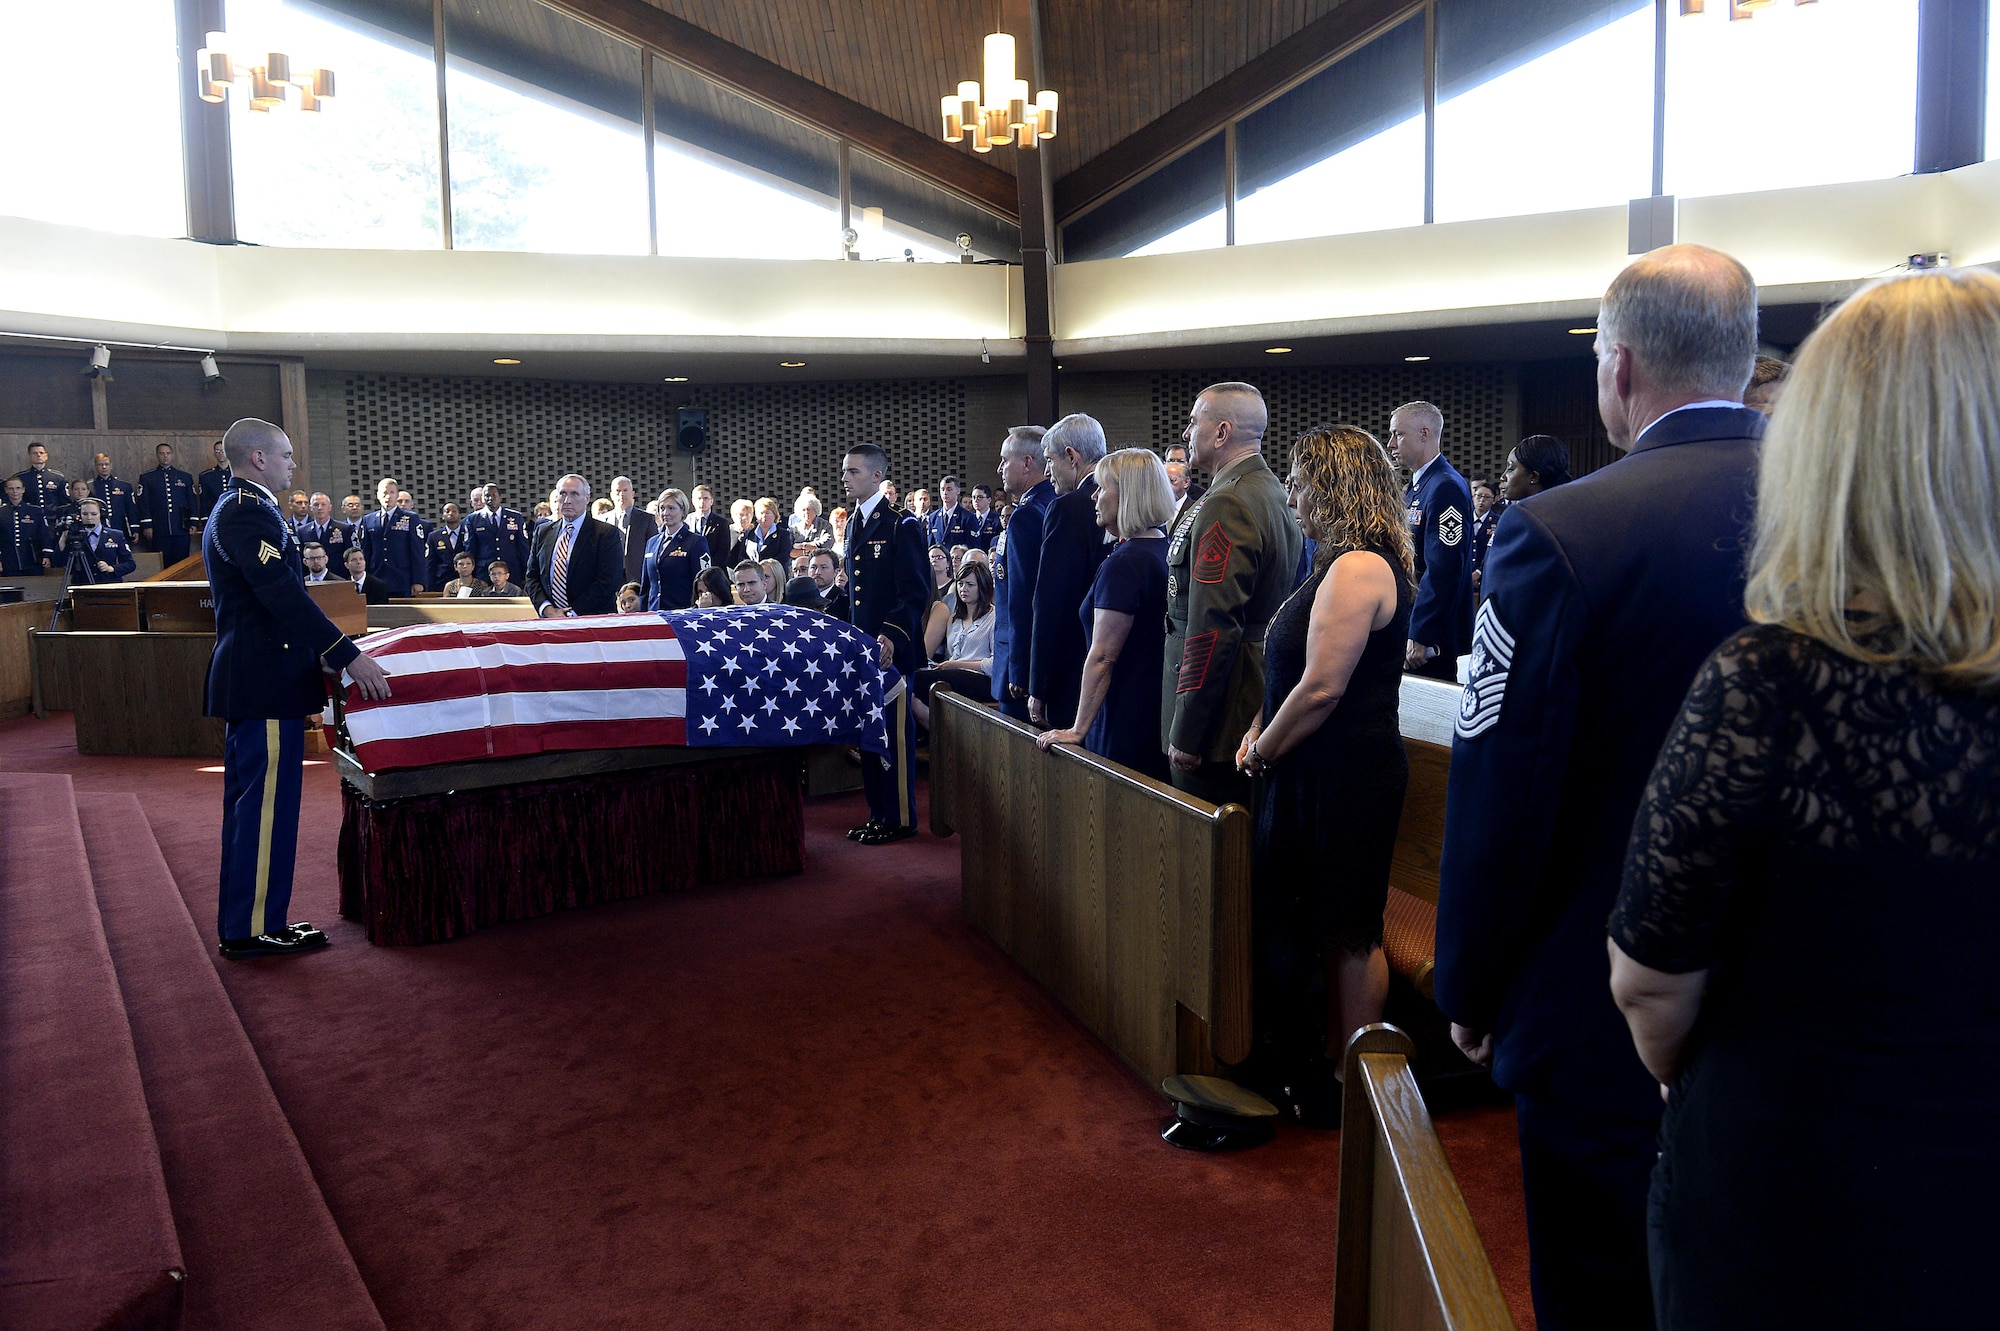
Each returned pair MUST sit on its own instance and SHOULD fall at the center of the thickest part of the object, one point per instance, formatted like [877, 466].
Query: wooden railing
[1127, 900]
[1406, 1254]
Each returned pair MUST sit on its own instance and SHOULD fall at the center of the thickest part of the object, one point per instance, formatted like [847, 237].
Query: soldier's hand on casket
[369, 676]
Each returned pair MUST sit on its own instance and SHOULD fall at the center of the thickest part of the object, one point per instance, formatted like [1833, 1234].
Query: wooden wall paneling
[18, 625]
[70, 451]
[141, 693]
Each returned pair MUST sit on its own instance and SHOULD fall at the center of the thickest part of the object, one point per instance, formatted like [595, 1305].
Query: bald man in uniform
[1233, 561]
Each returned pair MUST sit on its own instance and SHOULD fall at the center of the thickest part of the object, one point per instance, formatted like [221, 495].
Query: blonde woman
[1330, 749]
[1124, 618]
[1807, 942]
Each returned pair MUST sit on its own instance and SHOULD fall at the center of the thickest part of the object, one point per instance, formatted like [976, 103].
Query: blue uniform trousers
[263, 766]
[1585, 1174]
[890, 780]
[173, 549]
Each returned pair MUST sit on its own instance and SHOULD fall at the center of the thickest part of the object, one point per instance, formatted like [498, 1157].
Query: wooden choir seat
[1409, 921]
[1406, 1253]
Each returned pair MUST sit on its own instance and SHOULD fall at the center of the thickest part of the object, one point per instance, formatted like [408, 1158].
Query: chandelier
[1000, 113]
[274, 80]
[1738, 9]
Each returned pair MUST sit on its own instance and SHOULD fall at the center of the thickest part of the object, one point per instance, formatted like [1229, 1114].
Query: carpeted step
[86, 1232]
[262, 1249]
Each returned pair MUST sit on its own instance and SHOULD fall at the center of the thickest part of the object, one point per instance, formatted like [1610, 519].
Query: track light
[100, 363]
[211, 374]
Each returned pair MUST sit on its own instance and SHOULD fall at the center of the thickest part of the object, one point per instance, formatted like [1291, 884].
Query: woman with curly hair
[1330, 747]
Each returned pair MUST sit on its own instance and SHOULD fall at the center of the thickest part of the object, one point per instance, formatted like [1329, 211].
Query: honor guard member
[888, 595]
[986, 524]
[95, 552]
[1440, 509]
[121, 510]
[42, 489]
[394, 546]
[1232, 562]
[501, 533]
[1073, 546]
[1017, 560]
[264, 679]
[953, 523]
[1603, 598]
[24, 542]
[675, 557]
[166, 504]
[210, 484]
[447, 541]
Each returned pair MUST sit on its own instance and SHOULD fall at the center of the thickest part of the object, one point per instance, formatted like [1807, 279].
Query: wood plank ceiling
[1118, 64]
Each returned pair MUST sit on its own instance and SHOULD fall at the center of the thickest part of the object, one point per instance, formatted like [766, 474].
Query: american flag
[744, 676]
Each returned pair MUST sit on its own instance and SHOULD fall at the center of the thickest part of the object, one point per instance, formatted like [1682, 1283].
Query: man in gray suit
[635, 526]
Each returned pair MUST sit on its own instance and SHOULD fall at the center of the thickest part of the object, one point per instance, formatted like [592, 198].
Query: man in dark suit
[889, 593]
[165, 504]
[1073, 545]
[822, 567]
[710, 525]
[577, 567]
[1440, 511]
[264, 678]
[372, 588]
[1017, 560]
[1603, 597]
[635, 527]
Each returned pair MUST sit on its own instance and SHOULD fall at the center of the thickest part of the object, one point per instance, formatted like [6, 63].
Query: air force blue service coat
[165, 503]
[1603, 597]
[334, 536]
[952, 526]
[444, 545]
[503, 535]
[269, 636]
[672, 563]
[1073, 546]
[112, 548]
[1017, 562]
[985, 530]
[395, 548]
[24, 541]
[889, 581]
[1440, 510]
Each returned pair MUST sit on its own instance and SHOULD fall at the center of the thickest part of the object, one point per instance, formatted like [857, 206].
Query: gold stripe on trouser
[909, 818]
[265, 818]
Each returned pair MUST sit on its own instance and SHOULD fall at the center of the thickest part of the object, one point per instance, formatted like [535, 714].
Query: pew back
[1126, 899]
[1406, 1254]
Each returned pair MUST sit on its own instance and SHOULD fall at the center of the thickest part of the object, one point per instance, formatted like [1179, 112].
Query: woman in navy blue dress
[1124, 618]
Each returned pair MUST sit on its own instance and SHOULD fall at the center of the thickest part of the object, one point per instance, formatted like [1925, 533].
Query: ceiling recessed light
[1415, 358]
[505, 360]
[677, 378]
[1276, 351]
[790, 364]
[1582, 332]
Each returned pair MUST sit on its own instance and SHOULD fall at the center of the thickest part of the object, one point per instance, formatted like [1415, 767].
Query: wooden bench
[1406, 1253]
[1409, 921]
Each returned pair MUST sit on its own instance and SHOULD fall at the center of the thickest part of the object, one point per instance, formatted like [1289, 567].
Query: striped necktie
[559, 570]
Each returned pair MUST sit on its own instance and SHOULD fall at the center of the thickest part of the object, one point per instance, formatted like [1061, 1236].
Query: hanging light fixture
[1001, 110]
[1738, 9]
[273, 78]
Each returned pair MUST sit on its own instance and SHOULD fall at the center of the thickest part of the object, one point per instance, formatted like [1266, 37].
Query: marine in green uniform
[1233, 561]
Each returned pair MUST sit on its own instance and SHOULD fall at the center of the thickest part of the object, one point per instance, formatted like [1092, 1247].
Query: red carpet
[819, 1101]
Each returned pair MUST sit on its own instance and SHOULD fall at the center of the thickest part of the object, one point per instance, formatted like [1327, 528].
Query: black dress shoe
[872, 825]
[1313, 1094]
[286, 942]
[882, 834]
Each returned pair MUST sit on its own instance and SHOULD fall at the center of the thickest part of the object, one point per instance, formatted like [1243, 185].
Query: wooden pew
[1406, 1254]
[1427, 712]
[1127, 900]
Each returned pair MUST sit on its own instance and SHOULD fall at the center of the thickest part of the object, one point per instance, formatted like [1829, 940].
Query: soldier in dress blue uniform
[675, 557]
[263, 680]
[888, 595]
[1017, 561]
[953, 523]
[501, 533]
[395, 547]
[93, 551]
[1440, 508]
[986, 524]
[166, 504]
[447, 541]
[24, 542]
[42, 489]
[1603, 598]
[210, 484]
[120, 507]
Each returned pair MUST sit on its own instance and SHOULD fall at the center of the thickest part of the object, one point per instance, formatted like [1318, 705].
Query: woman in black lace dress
[1807, 943]
[1328, 742]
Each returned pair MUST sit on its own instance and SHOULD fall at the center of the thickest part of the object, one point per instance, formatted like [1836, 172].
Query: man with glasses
[579, 563]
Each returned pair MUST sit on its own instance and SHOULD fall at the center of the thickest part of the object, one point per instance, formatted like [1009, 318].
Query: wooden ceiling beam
[912, 150]
[1234, 95]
